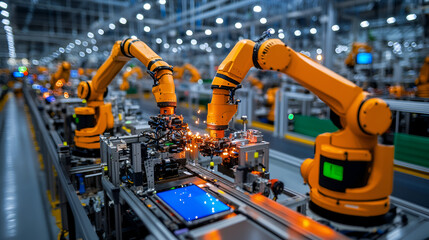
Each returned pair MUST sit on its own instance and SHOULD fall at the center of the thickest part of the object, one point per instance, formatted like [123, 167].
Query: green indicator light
[173, 188]
[290, 116]
[333, 171]
[74, 115]
[77, 120]
[22, 69]
[168, 144]
[128, 122]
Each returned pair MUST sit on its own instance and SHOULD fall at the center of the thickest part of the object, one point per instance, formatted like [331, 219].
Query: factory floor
[24, 209]
[405, 186]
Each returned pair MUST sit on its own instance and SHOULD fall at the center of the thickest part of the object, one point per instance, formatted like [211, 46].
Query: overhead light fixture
[297, 33]
[410, 17]
[77, 41]
[61, 50]
[146, 29]
[281, 35]
[391, 20]
[219, 20]
[81, 54]
[209, 49]
[335, 28]
[263, 20]
[139, 16]
[93, 41]
[166, 45]
[189, 32]
[122, 20]
[313, 30]
[112, 26]
[5, 21]
[319, 57]
[194, 42]
[3, 4]
[219, 45]
[238, 25]
[174, 50]
[363, 24]
[208, 32]
[100, 31]
[71, 45]
[88, 50]
[162, 2]
[158, 40]
[85, 43]
[257, 8]
[179, 41]
[90, 34]
[146, 6]
[5, 13]
[319, 51]
[94, 48]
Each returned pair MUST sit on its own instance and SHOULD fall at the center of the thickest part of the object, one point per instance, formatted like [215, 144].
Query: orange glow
[66, 95]
[305, 223]
[59, 83]
[45, 95]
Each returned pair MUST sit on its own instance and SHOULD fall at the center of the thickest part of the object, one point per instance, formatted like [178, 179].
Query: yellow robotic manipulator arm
[351, 174]
[180, 71]
[97, 117]
[356, 47]
[61, 77]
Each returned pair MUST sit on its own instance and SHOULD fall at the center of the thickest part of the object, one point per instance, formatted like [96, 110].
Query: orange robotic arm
[122, 52]
[356, 47]
[351, 174]
[63, 74]
[422, 81]
[125, 84]
[179, 71]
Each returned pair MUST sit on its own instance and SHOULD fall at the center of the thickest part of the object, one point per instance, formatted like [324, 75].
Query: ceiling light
[90, 34]
[146, 6]
[208, 32]
[146, 29]
[194, 42]
[166, 45]
[61, 50]
[263, 20]
[209, 49]
[77, 41]
[410, 17]
[158, 40]
[122, 20]
[139, 16]
[313, 30]
[3, 4]
[219, 20]
[335, 28]
[5, 21]
[5, 13]
[238, 25]
[227, 45]
[81, 54]
[84, 43]
[95, 48]
[363, 24]
[189, 32]
[112, 26]
[319, 57]
[71, 45]
[162, 2]
[202, 46]
[257, 8]
[281, 35]
[174, 50]
[297, 33]
[100, 31]
[179, 41]
[93, 41]
[88, 50]
[219, 45]
[391, 20]
[35, 62]
[319, 51]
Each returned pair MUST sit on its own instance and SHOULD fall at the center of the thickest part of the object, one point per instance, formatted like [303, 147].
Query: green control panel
[333, 171]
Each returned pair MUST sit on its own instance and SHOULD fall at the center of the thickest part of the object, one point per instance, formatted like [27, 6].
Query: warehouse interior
[221, 119]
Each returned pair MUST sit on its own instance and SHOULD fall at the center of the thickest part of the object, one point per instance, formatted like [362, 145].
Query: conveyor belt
[405, 186]
[24, 209]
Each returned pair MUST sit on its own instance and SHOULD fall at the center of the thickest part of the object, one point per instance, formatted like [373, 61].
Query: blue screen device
[74, 74]
[364, 58]
[192, 203]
